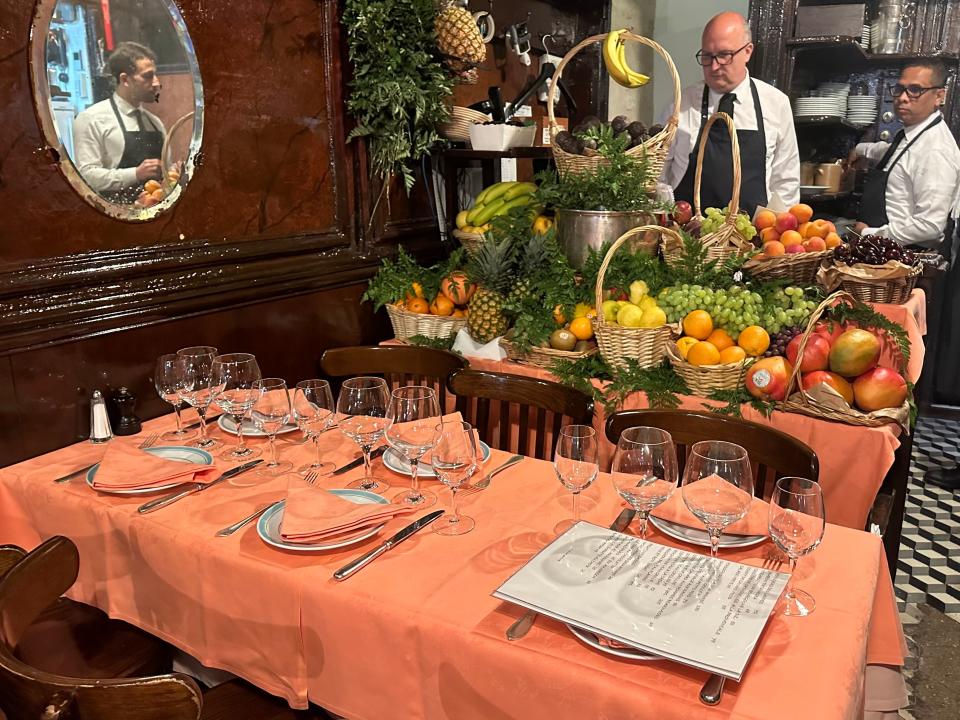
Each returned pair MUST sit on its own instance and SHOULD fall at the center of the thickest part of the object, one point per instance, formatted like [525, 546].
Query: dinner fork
[482, 484]
[310, 478]
[147, 442]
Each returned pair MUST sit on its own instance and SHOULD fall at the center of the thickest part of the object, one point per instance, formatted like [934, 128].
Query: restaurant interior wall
[636, 104]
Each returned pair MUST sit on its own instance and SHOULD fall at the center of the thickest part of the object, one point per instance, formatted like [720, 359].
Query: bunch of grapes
[736, 307]
[873, 250]
[780, 340]
[786, 307]
[715, 218]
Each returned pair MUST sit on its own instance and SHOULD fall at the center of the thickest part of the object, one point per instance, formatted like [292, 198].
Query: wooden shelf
[534, 153]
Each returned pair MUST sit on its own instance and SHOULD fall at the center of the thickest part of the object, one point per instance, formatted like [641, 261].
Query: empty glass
[270, 412]
[576, 465]
[644, 469]
[413, 415]
[313, 410]
[165, 381]
[362, 415]
[194, 378]
[234, 384]
[796, 523]
[717, 486]
[455, 458]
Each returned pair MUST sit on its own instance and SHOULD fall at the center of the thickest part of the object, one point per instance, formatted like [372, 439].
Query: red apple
[829, 330]
[879, 388]
[816, 355]
[786, 221]
[767, 379]
[832, 379]
[682, 212]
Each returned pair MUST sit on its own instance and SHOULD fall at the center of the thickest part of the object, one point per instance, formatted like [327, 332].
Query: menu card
[679, 605]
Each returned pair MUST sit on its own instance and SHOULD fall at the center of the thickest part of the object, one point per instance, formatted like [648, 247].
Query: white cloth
[923, 188]
[98, 143]
[783, 158]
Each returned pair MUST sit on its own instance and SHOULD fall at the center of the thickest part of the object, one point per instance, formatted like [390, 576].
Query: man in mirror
[116, 141]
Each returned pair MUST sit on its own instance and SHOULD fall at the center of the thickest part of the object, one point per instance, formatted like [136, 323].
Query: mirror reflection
[125, 96]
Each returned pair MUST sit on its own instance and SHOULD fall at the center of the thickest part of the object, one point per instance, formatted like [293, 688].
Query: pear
[609, 308]
[647, 303]
[653, 317]
[630, 316]
[638, 290]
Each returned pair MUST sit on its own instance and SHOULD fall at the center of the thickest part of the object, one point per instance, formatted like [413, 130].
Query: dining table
[417, 633]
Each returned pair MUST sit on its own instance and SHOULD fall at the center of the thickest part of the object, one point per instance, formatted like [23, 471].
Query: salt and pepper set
[127, 423]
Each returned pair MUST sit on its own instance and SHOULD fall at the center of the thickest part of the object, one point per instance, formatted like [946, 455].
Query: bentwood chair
[518, 396]
[33, 582]
[774, 454]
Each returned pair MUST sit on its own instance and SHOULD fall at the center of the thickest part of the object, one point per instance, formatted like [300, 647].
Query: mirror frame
[39, 28]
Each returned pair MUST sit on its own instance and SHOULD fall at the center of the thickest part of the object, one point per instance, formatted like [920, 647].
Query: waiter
[769, 160]
[118, 143]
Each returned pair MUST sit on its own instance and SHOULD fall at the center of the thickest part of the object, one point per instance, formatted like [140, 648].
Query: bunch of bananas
[615, 58]
[493, 201]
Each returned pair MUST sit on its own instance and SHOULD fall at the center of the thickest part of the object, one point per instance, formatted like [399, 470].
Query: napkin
[312, 514]
[675, 510]
[129, 468]
[427, 428]
[467, 346]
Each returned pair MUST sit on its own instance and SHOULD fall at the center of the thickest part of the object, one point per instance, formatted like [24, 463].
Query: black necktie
[897, 139]
[139, 117]
[726, 104]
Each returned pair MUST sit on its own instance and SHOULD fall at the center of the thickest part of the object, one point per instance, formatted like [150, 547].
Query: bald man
[769, 160]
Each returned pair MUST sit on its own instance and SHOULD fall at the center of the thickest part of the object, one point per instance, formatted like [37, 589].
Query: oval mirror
[118, 94]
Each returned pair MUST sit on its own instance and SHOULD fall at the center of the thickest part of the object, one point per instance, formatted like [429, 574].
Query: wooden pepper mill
[127, 422]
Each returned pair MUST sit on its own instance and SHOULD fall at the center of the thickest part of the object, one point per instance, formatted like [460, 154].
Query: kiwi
[563, 339]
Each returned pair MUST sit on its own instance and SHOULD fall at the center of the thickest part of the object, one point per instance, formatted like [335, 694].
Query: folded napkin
[129, 468]
[424, 429]
[675, 510]
[311, 514]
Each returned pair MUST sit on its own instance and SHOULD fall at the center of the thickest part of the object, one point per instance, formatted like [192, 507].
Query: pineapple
[491, 268]
[536, 257]
[458, 36]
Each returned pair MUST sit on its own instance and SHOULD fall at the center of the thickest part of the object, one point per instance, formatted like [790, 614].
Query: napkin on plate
[311, 514]
[128, 468]
[675, 510]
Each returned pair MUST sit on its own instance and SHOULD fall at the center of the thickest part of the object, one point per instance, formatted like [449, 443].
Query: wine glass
[165, 381]
[413, 416]
[644, 469]
[270, 412]
[194, 378]
[234, 378]
[455, 459]
[576, 465]
[717, 486]
[796, 523]
[313, 410]
[362, 414]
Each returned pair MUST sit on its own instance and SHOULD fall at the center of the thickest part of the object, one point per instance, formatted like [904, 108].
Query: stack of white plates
[862, 109]
[865, 37]
[807, 107]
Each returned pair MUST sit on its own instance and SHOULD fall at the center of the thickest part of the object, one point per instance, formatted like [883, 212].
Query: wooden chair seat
[237, 699]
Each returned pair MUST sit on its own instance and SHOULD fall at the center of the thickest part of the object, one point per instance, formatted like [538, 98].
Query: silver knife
[522, 626]
[359, 461]
[351, 567]
[190, 488]
[196, 424]
[74, 474]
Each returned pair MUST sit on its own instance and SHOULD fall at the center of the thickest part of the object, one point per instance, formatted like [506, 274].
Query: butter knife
[351, 567]
[522, 626]
[190, 488]
[359, 461]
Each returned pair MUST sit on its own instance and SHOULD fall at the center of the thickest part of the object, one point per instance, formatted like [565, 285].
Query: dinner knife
[359, 461]
[196, 424]
[190, 488]
[351, 567]
[74, 474]
[522, 626]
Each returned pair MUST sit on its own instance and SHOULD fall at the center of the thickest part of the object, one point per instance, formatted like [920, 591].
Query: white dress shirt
[923, 188]
[98, 143]
[783, 158]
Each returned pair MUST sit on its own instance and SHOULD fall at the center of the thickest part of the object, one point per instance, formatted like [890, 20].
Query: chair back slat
[523, 436]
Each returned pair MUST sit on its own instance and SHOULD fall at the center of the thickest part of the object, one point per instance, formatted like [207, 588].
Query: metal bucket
[580, 230]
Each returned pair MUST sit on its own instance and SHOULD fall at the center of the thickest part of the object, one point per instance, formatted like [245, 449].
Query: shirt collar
[911, 132]
[123, 106]
[739, 90]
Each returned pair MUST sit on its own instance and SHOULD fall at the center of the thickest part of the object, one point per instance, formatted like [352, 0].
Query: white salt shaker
[100, 431]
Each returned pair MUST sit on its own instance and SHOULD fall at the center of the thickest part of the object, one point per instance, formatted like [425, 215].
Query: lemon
[653, 317]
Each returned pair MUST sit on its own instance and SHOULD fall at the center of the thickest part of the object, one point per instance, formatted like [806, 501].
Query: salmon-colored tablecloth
[912, 317]
[417, 634]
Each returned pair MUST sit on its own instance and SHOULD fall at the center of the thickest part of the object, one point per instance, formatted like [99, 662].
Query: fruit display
[794, 231]
[492, 202]
[874, 250]
[592, 136]
[615, 60]
[154, 191]
[768, 379]
[736, 307]
[712, 220]
[704, 344]
[639, 311]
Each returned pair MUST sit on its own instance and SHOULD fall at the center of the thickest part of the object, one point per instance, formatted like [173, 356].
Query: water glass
[165, 381]
[362, 415]
[796, 523]
[270, 412]
[644, 470]
[234, 384]
[413, 416]
[456, 457]
[576, 464]
[194, 380]
[313, 411]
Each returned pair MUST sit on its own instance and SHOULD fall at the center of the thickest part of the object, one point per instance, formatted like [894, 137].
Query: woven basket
[704, 379]
[542, 357]
[457, 128]
[617, 344]
[798, 268]
[471, 241]
[726, 240]
[892, 292]
[654, 150]
[406, 324]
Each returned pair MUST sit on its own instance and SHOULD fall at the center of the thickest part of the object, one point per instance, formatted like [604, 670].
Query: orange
[720, 339]
[684, 344]
[765, 219]
[417, 289]
[703, 353]
[832, 240]
[732, 354]
[459, 313]
[754, 340]
[791, 237]
[417, 305]
[698, 324]
[442, 306]
[582, 328]
[801, 212]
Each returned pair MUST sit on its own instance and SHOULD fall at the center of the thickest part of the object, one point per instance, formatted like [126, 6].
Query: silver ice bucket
[580, 230]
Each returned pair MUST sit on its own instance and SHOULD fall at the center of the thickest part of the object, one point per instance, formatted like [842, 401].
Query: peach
[831, 228]
[818, 229]
[786, 221]
[774, 248]
[815, 245]
[832, 240]
[828, 378]
[802, 212]
[791, 237]
[767, 379]
[879, 388]
[760, 256]
[816, 354]
[769, 234]
[796, 248]
[765, 219]
[802, 228]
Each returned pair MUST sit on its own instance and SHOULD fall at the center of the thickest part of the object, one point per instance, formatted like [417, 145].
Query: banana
[611, 58]
[488, 211]
[461, 220]
[520, 188]
[485, 193]
[473, 213]
[495, 191]
[636, 79]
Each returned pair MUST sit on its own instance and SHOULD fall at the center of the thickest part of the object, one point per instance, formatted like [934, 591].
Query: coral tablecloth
[417, 634]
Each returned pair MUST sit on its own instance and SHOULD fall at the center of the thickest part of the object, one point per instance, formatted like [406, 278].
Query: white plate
[593, 641]
[700, 537]
[250, 428]
[268, 526]
[813, 188]
[171, 452]
[394, 461]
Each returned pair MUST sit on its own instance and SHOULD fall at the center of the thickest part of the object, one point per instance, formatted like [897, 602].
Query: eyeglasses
[912, 91]
[724, 57]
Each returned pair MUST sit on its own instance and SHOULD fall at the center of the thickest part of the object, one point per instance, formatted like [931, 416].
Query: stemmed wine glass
[270, 412]
[234, 378]
[165, 381]
[796, 523]
[717, 486]
[575, 462]
[194, 378]
[413, 415]
[362, 415]
[313, 410]
[644, 469]
[455, 459]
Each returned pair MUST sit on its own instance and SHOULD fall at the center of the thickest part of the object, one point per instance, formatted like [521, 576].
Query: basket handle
[734, 205]
[166, 140]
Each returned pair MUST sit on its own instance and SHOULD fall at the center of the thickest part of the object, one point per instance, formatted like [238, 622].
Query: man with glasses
[117, 142]
[769, 160]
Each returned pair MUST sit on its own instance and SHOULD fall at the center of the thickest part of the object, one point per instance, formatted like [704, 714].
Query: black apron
[718, 163]
[138, 145]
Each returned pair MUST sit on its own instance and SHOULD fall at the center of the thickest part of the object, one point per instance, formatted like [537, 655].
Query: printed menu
[683, 606]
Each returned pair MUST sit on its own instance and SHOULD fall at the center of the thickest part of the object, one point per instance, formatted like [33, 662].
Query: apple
[786, 221]
[682, 212]
[767, 379]
[879, 388]
[816, 355]
[832, 379]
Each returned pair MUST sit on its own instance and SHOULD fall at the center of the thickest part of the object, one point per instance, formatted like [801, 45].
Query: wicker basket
[798, 268]
[542, 357]
[406, 324]
[704, 379]
[654, 150]
[618, 344]
[890, 291]
[726, 240]
[471, 241]
[457, 128]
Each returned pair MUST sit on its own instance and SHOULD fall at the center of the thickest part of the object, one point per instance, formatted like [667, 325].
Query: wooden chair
[399, 365]
[774, 454]
[476, 389]
[34, 583]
